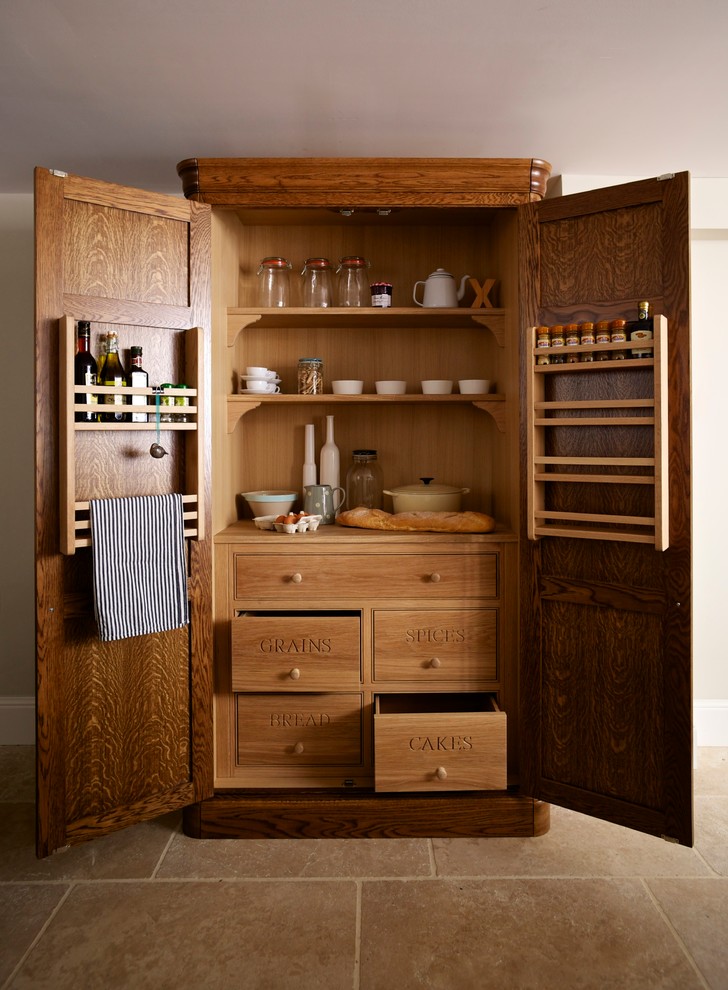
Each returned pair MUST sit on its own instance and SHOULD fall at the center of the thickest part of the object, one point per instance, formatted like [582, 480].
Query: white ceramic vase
[330, 468]
[309, 457]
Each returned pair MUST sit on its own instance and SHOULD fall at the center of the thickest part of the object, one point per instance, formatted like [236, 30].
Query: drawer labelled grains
[439, 742]
[301, 651]
[296, 730]
[429, 646]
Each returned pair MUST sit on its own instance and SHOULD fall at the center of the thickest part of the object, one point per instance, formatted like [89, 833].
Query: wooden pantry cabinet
[378, 683]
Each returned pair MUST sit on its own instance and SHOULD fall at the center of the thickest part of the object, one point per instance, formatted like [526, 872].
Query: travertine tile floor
[587, 905]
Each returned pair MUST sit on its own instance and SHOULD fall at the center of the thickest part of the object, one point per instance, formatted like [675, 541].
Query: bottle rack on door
[74, 514]
[618, 410]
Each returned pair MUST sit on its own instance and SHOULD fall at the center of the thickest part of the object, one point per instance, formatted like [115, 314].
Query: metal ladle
[157, 450]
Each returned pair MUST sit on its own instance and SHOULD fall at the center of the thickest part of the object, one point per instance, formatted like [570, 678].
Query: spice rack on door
[591, 467]
[75, 522]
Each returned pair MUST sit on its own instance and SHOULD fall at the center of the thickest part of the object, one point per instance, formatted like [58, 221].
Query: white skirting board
[17, 722]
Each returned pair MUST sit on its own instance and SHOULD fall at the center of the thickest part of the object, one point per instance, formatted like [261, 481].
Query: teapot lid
[440, 273]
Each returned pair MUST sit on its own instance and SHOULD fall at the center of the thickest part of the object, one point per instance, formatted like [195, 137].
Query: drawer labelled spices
[434, 645]
[306, 651]
[439, 742]
[299, 729]
[298, 576]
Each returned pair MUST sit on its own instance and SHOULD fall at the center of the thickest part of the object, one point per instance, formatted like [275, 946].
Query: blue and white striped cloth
[139, 565]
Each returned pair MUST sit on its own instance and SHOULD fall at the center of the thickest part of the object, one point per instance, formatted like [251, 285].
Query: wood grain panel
[603, 698]
[617, 256]
[125, 255]
[127, 710]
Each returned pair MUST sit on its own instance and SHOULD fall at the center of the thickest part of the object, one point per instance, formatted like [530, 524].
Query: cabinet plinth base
[291, 815]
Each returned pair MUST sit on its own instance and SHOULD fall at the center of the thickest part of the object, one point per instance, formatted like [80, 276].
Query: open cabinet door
[124, 728]
[606, 613]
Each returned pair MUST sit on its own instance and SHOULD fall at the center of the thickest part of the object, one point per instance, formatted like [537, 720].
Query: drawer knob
[297, 578]
[435, 662]
[434, 577]
[295, 674]
[441, 773]
[298, 748]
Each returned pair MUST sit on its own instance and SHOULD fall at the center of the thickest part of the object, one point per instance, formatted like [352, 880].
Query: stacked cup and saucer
[259, 381]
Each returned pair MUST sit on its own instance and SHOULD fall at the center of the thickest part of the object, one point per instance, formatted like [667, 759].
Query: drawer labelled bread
[298, 576]
[305, 651]
[289, 730]
[439, 742]
[433, 645]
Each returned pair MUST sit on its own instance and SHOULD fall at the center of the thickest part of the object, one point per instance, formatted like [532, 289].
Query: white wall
[710, 473]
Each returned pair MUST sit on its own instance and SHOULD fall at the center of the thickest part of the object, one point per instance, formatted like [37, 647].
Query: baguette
[421, 521]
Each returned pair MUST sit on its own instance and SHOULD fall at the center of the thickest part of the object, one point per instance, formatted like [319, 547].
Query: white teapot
[440, 289]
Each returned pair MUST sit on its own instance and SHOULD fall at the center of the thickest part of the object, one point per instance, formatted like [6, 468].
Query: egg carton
[307, 524]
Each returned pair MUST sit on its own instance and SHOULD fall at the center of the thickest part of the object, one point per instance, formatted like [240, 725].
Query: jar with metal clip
[353, 287]
[273, 285]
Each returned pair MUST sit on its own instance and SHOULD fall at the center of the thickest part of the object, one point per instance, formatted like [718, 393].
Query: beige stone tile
[24, 909]
[17, 773]
[525, 934]
[130, 853]
[575, 846]
[711, 831]
[711, 775]
[233, 858]
[699, 911]
[162, 936]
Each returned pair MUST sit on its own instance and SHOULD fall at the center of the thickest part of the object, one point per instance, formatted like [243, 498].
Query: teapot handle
[414, 293]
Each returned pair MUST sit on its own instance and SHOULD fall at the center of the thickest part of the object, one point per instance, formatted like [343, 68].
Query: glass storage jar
[353, 287]
[318, 289]
[310, 376]
[364, 481]
[273, 287]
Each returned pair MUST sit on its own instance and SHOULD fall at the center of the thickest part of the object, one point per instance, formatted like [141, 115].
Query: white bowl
[473, 386]
[390, 388]
[347, 387]
[437, 386]
[274, 502]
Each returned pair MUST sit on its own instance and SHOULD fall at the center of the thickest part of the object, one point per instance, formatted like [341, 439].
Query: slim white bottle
[330, 471]
[309, 457]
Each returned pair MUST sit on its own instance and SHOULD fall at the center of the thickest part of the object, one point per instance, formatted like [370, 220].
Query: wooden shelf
[239, 405]
[603, 414]
[365, 318]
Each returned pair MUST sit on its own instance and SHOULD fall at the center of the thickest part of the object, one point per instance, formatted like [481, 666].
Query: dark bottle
[114, 375]
[138, 378]
[85, 372]
[641, 330]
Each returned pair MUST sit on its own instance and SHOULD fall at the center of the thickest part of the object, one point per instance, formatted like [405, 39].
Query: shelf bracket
[497, 411]
[237, 411]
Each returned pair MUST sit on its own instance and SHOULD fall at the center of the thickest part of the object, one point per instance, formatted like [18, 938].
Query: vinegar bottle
[85, 371]
[138, 378]
[114, 375]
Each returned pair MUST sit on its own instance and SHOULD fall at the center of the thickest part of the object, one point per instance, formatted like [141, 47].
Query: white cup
[255, 372]
[259, 385]
[436, 386]
[390, 388]
[471, 386]
[347, 386]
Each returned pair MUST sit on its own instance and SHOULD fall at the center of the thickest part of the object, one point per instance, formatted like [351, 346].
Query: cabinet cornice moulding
[364, 183]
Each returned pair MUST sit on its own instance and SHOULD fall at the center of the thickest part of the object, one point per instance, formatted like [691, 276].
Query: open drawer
[439, 742]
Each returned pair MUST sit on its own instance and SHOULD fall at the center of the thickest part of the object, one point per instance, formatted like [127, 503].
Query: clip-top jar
[273, 287]
[353, 288]
[318, 289]
[364, 481]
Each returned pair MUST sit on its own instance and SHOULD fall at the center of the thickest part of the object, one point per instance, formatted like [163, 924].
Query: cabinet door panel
[124, 728]
[606, 638]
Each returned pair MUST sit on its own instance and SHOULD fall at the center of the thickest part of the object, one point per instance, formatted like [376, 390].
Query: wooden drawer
[298, 576]
[289, 730]
[308, 651]
[434, 645]
[439, 742]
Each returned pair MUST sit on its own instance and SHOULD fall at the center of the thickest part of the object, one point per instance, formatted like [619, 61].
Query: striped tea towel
[139, 569]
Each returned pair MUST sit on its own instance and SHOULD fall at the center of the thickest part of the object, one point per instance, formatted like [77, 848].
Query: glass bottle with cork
[114, 376]
[138, 378]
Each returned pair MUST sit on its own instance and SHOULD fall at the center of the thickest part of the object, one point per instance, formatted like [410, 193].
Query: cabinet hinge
[670, 838]
[665, 175]
[56, 171]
